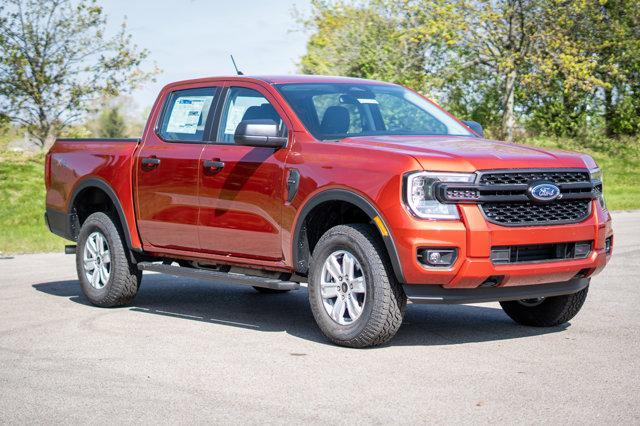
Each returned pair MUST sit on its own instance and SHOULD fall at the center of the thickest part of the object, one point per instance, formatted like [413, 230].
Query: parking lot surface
[189, 351]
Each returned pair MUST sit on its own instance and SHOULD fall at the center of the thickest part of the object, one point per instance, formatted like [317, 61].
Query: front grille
[504, 196]
[540, 252]
[528, 213]
[513, 178]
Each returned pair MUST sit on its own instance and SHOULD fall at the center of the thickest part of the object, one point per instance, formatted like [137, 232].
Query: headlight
[420, 196]
[596, 175]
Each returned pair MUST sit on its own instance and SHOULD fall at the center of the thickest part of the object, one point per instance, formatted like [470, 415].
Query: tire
[549, 312]
[121, 280]
[265, 290]
[380, 308]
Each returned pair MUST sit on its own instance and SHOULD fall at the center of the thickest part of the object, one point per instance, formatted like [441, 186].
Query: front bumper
[474, 237]
[433, 294]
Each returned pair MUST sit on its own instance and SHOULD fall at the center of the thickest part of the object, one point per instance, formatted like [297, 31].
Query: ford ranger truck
[366, 191]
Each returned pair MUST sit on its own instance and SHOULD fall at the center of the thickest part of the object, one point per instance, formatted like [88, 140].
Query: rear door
[168, 169]
[242, 200]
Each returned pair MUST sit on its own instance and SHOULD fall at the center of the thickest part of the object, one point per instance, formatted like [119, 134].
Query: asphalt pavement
[189, 351]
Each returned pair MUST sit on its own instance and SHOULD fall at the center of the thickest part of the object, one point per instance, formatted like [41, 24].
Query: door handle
[213, 165]
[150, 162]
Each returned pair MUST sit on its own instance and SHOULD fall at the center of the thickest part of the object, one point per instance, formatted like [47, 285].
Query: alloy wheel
[96, 260]
[342, 287]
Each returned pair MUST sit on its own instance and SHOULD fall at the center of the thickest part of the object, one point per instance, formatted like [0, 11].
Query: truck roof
[282, 79]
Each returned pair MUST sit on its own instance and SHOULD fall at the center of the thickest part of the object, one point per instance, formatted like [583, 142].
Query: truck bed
[75, 164]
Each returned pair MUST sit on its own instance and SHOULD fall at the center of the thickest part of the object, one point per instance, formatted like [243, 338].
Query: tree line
[532, 67]
[543, 67]
[58, 64]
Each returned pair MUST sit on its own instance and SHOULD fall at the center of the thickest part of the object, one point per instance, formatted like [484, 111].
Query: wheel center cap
[344, 287]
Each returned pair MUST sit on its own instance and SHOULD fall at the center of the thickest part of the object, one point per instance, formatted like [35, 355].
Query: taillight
[47, 170]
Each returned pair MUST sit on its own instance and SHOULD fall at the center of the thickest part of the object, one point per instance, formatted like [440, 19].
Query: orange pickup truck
[366, 191]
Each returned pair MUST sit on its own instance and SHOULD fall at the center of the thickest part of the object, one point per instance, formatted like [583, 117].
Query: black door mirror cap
[475, 126]
[259, 133]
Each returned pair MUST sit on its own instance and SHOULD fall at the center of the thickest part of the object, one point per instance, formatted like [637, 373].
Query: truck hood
[468, 154]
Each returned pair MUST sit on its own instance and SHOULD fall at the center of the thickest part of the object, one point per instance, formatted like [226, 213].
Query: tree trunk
[508, 102]
[608, 112]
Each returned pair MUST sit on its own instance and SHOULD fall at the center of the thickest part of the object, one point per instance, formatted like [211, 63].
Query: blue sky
[193, 38]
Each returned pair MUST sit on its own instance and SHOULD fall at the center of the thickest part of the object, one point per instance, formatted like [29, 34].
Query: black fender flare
[94, 182]
[299, 241]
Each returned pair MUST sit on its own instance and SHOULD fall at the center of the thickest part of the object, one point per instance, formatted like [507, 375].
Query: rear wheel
[545, 311]
[354, 297]
[107, 275]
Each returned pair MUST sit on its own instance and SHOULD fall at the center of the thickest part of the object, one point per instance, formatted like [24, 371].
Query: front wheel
[353, 294]
[107, 275]
[545, 311]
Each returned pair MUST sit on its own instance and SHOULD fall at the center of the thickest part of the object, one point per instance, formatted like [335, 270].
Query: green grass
[619, 160]
[22, 227]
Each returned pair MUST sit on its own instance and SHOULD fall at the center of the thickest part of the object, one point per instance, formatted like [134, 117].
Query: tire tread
[387, 318]
[125, 281]
[550, 313]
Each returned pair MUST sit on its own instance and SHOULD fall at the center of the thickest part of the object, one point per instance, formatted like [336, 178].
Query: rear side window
[185, 114]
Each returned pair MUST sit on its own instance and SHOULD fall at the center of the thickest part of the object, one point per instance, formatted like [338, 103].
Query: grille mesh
[537, 214]
[512, 178]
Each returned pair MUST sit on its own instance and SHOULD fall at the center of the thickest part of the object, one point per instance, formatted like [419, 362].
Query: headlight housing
[420, 194]
[596, 179]
[596, 174]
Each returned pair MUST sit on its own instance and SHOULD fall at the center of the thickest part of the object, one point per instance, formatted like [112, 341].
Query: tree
[499, 40]
[587, 72]
[381, 39]
[112, 124]
[4, 123]
[609, 30]
[557, 66]
[56, 61]
[487, 43]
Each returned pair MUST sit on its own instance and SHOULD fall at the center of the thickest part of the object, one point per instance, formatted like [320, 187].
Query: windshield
[336, 111]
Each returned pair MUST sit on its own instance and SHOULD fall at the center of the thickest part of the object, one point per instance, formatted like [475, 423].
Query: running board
[225, 277]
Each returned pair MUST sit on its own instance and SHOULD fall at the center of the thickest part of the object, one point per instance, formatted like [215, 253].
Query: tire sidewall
[92, 224]
[320, 255]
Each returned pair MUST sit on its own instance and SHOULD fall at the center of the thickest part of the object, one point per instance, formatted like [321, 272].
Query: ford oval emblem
[544, 192]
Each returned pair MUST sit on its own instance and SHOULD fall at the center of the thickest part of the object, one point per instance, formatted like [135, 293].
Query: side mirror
[475, 126]
[259, 133]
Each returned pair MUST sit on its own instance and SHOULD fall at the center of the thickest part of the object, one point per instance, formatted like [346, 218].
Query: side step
[225, 277]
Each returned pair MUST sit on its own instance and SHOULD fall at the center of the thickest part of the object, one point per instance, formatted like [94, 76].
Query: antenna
[235, 66]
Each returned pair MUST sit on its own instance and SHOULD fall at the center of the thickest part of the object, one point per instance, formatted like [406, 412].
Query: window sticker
[186, 113]
[367, 101]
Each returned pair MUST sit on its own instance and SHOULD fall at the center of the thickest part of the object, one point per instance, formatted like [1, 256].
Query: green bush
[618, 158]
[22, 205]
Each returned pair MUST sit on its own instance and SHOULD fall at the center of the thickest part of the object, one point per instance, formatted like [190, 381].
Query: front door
[168, 170]
[241, 188]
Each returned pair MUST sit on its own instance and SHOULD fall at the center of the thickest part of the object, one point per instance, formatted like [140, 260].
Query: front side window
[185, 114]
[336, 111]
[245, 104]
